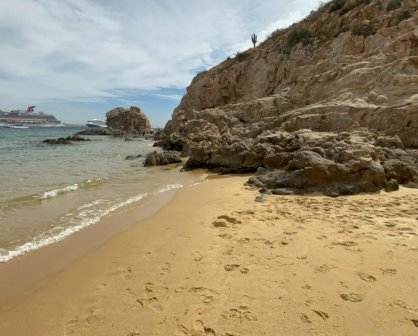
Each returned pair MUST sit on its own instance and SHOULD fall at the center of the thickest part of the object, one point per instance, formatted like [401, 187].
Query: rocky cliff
[128, 122]
[330, 103]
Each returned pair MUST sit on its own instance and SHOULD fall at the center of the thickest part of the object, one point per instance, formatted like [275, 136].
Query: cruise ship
[28, 118]
[94, 123]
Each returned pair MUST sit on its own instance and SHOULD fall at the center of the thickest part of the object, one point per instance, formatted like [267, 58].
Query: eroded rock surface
[328, 104]
[161, 159]
[130, 121]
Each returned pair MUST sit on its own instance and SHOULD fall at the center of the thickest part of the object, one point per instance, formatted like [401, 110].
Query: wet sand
[214, 262]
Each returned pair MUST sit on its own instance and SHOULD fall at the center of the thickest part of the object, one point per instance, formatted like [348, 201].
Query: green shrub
[393, 4]
[363, 30]
[404, 15]
[337, 5]
[275, 34]
[297, 35]
[348, 6]
[241, 56]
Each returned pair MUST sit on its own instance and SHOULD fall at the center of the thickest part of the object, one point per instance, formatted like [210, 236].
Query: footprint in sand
[346, 243]
[206, 295]
[220, 223]
[165, 268]
[233, 267]
[199, 328]
[403, 305]
[151, 302]
[244, 240]
[366, 277]
[225, 221]
[352, 297]
[181, 330]
[150, 299]
[225, 236]
[324, 268]
[229, 219]
[321, 314]
[123, 272]
[240, 313]
[389, 271]
[197, 256]
[304, 318]
[83, 322]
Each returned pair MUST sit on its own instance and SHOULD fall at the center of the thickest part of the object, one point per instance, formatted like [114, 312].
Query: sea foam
[86, 216]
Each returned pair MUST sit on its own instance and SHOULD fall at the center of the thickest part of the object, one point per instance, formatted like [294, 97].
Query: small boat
[16, 126]
[94, 123]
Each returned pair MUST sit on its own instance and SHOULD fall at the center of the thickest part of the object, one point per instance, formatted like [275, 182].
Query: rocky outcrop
[330, 103]
[97, 131]
[133, 157]
[65, 141]
[161, 159]
[130, 121]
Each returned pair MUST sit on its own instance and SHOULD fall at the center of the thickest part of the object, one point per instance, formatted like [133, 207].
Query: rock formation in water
[161, 159]
[65, 141]
[330, 103]
[130, 121]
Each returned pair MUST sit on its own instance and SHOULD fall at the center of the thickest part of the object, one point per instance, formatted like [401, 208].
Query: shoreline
[214, 262]
[25, 272]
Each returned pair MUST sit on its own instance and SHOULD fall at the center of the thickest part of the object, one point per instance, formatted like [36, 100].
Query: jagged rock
[265, 191]
[392, 185]
[59, 141]
[161, 159]
[128, 121]
[97, 131]
[400, 171]
[65, 141]
[283, 192]
[76, 137]
[389, 142]
[133, 157]
[337, 113]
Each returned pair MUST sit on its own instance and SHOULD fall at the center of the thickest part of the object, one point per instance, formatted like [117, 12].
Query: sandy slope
[305, 265]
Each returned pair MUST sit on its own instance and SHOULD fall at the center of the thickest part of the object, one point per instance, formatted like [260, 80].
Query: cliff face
[352, 66]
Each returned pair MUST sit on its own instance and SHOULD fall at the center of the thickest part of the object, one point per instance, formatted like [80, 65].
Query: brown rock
[161, 159]
[128, 122]
[336, 112]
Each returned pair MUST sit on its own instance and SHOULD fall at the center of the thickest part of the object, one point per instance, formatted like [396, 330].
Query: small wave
[169, 187]
[60, 233]
[56, 192]
[89, 205]
[51, 193]
[73, 187]
[87, 215]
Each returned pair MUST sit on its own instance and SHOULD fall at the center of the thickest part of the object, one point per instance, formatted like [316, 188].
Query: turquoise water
[47, 192]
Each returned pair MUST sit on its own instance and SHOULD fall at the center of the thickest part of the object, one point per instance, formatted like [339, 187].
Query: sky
[77, 59]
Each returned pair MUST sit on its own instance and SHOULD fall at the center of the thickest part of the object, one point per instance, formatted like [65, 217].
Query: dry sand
[214, 262]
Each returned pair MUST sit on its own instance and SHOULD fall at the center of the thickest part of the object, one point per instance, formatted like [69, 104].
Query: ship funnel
[30, 109]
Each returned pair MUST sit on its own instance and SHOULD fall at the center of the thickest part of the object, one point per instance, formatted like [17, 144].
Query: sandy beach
[215, 262]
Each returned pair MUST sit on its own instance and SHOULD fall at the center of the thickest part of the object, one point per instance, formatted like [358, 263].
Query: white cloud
[84, 50]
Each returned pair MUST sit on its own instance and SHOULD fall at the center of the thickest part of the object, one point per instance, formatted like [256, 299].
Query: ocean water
[48, 192]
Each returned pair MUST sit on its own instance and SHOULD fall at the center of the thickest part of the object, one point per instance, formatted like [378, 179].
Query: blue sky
[78, 59]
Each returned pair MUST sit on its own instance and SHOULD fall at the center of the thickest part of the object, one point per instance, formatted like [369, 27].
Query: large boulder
[128, 121]
[161, 159]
